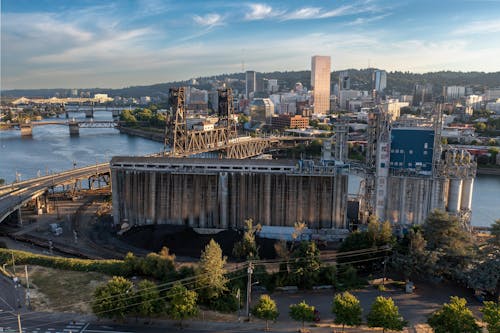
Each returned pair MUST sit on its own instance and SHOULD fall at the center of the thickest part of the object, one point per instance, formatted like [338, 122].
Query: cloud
[310, 13]
[303, 13]
[364, 20]
[209, 20]
[478, 27]
[259, 11]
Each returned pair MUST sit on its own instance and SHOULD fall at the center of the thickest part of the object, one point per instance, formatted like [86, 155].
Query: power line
[188, 280]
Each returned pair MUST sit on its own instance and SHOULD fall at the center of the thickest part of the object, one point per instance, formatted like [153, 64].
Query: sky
[121, 43]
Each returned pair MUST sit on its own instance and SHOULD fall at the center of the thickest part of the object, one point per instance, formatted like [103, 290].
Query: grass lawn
[60, 290]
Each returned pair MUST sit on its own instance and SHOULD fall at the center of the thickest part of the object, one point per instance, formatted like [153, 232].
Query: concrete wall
[411, 199]
[224, 199]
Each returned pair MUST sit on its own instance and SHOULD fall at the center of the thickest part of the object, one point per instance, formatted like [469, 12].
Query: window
[411, 151]
[425, 152]
[425, 145]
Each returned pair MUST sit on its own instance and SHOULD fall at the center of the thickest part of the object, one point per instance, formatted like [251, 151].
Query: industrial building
[223, 193]
[410, 173]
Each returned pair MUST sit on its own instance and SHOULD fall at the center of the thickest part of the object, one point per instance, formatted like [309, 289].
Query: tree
[491, 316]
[450, 242]
[113, 299]
[211, 273]
[373, 229]
[266, 309]
[302, 312]
[247, 247]
[495, 232]
[305, 264]
[385, 314]
[182, 303]
[128, 117]
[385, 235]
[454, 317]
[410, 256]
[347, 310]
[149, 298]
[2, 181]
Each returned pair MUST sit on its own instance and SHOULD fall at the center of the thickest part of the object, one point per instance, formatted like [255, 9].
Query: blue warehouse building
[412, 149]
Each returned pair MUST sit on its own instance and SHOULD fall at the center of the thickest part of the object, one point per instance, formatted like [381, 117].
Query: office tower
[379, 80]
[344, 81]
[250, 83]
[422, 94]
[320, 82]
[261, 110]
[272, 86]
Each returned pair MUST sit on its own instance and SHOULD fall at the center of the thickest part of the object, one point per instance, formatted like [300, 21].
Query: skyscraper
[379, 80]
[344, 81]
[320, 82]
[250, 83]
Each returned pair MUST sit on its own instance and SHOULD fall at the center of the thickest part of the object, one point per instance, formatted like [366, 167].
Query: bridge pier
[89, 113]
[116, 112]
[26, 129]
[74, 130]
[19, 217]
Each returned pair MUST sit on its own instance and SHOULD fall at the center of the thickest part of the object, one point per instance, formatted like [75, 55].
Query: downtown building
[320, 82]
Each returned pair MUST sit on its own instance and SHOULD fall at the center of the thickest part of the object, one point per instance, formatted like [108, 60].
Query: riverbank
[488, 171]
[147, 134]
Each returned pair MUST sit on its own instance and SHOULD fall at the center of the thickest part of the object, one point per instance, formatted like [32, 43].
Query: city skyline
[50, 44]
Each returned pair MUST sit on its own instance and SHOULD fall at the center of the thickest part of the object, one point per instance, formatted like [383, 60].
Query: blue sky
[87, 43]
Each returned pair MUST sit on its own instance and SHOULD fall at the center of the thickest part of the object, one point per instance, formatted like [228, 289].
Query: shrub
[226, 302]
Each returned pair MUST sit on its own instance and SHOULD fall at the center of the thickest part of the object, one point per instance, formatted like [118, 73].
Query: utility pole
[19, 323]
[249, 287]
[28, 303]
[13, 262]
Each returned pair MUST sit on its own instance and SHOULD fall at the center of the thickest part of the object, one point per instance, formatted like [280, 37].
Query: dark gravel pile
[184, 241]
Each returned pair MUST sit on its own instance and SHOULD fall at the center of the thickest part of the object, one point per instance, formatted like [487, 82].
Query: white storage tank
[455, 195]
[467, 187]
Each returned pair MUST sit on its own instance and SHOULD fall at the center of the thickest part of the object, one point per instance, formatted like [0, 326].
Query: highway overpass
[15, 195]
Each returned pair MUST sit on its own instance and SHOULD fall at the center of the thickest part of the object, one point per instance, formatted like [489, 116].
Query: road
[15, 195]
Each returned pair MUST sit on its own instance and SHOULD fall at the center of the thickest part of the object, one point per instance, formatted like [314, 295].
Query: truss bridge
[223, 137]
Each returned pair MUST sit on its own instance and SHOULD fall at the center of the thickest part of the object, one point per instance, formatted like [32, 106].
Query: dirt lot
[61, 291]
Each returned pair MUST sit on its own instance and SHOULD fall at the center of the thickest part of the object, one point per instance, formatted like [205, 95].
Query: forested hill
[402, 82]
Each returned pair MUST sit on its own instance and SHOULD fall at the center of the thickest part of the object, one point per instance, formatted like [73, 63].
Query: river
[51, 149]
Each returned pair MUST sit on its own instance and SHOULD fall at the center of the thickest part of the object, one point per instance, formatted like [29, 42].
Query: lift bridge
[224, 138]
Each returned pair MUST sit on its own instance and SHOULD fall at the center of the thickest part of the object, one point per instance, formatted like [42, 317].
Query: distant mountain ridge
[402, 82]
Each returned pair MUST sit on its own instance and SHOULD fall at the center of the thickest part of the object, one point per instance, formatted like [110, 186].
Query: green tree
[410, 256]
[480, 127]
[182, 303]
[491, 316]
[373, 229]
[247, 247]
[266, 309]
[302, 312]
[113, 299]
[385, 235]
[347, 310]
[128, 117]
[454, 317]
[242, 119]
[211, 272]
[348, 277]
[2, 181]
[485, 274]
[159, 265]
[149, 297]
[305, 264]
[495, 233]
[385, 314]
[451, 243]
